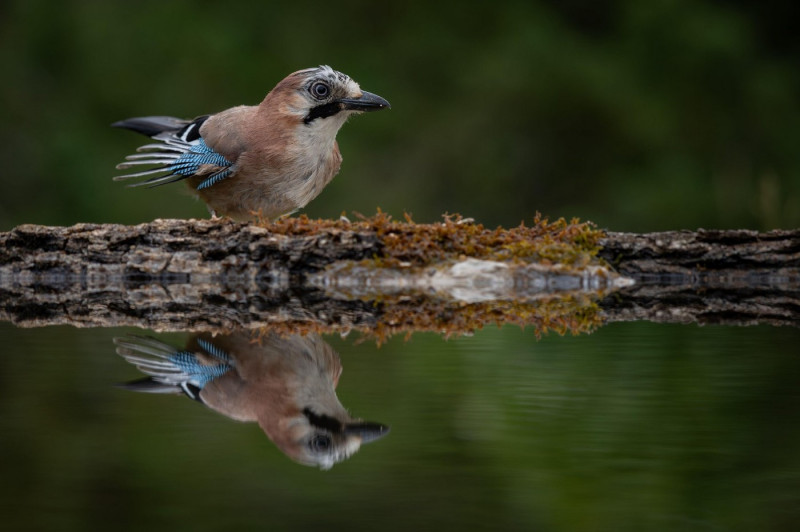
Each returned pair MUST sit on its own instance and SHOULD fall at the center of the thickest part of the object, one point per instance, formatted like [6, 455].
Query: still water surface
[635, 427]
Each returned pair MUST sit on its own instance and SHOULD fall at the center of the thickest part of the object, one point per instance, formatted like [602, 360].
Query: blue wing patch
[189, 163]
[178, 154]
[198, 374]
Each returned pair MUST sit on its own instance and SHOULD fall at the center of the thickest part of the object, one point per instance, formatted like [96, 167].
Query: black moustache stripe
[321, 421]
[322, 111]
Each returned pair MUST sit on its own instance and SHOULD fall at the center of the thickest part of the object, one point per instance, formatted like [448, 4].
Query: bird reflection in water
[285, 384]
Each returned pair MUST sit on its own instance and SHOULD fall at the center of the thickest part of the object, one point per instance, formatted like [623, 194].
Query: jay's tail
[179, 153]
[172, 370]
[151, 126]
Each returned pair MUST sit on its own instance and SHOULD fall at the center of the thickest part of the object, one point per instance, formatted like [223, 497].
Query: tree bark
[737, 277]
[219, 275]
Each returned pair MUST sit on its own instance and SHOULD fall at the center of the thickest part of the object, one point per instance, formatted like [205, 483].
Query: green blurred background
[637, 115]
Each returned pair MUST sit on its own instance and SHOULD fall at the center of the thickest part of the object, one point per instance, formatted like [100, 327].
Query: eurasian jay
[269, 159]
[285, 384]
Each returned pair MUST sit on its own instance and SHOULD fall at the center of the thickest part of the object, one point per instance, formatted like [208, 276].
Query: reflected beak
[367, 102]
[367, 431]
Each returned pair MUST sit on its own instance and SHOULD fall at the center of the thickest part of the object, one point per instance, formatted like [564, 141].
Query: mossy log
[220, 275]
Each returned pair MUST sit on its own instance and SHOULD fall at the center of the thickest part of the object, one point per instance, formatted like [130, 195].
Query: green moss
[406, 244]
[570, 243]
[568, 314]
[574, 314]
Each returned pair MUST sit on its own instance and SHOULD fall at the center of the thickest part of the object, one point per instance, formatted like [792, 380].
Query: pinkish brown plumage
[285, 384]
[248, 161]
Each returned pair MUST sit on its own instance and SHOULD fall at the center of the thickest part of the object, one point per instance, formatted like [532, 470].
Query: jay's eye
[320, 90]
[320, 443]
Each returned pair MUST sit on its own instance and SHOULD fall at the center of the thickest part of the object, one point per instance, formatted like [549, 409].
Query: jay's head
[322, 97]
[324, 439]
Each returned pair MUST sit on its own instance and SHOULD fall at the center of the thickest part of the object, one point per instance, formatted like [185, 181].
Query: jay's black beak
[366, 430]
[367, 102]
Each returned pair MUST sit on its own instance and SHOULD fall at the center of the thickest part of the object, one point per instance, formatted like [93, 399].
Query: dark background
[636, 115]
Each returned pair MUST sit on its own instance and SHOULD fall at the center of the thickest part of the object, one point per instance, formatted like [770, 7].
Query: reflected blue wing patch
[198, 374]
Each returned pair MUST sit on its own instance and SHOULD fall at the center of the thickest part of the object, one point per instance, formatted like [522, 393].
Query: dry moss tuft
[571, 314]
[408, 243]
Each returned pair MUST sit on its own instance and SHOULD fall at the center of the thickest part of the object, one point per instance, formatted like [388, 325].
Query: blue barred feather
[170, 369]
[214, 179]
[197, 373]
[189, 163]
[214, 351]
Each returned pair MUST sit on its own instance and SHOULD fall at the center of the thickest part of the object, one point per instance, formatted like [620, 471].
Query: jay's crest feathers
[268, 160]
[286, 385]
